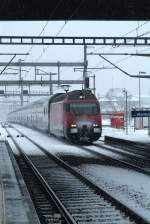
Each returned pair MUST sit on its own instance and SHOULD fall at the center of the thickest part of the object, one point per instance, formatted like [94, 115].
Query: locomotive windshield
[82, 108]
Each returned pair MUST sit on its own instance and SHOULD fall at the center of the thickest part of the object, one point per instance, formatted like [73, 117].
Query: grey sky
[105, 79]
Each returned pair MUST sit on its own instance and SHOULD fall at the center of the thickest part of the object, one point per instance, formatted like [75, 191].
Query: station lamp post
[140, 72]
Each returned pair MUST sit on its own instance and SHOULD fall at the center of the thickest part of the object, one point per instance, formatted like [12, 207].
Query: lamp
[65, 87]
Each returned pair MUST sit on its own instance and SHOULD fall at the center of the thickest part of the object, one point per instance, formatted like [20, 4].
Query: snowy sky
[105, 79]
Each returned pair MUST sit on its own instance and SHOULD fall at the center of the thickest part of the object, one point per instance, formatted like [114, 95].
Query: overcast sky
[105, 79]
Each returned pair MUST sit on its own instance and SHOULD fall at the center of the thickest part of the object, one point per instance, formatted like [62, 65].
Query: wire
[131, 31]
[47, 22]
[125, 58]
[63, 26]
[138, 26]
[143, 34]
[60, 30]
[7, 64]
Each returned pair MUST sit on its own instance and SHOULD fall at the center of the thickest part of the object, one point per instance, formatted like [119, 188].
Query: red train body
[74, 115]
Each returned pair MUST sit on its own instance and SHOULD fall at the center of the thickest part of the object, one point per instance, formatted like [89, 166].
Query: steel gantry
[43, 64]
[68, 40]
[64, 40]
[30, 83]
[37, 82]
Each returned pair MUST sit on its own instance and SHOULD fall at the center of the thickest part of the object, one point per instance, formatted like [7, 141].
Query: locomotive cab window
[82, 108]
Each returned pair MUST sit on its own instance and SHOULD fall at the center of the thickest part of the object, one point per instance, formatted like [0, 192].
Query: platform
[15, 204]
[139, 138]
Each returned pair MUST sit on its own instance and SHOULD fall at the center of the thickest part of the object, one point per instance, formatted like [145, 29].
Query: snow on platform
[139, 136]
[15, 203]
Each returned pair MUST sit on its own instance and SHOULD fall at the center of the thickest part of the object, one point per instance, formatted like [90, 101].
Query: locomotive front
[82, 117]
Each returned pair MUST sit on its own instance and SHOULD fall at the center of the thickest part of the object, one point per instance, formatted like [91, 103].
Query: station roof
[75, 10]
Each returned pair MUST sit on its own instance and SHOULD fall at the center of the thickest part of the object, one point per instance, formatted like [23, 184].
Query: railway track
[139, 162]
[46, 209]
[83, 200]
[129, 146]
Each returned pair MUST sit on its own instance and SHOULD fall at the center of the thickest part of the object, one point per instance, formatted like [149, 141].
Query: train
[74, 115]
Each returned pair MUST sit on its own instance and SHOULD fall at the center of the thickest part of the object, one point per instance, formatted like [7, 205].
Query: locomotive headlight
[95, 125]
[73, 125]
[73, 129]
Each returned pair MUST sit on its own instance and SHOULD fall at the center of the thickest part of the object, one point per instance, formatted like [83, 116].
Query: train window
[84, 108]
[67, 108]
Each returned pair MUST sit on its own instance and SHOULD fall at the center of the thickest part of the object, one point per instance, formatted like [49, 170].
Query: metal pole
[35, 72]
[51, 85]
[21, 81]
[19, 69]
[85, 66]
[94, 89]
[126, 109]
[148, 126]
[139, 91]
[140, 72]
[126, 113]
[5, 91]
[29, 89]
[58, 63]
[21, 96]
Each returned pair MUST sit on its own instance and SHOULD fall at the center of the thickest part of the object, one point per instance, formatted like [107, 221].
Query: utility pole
[140, 72]
[94, 89]
[58, 73]
[29, 89]
[85, 78]
[21, 82]
[19, 69]
[51, 85]
[5, 90]
[35, 72]
[21, 96]
[126, 109]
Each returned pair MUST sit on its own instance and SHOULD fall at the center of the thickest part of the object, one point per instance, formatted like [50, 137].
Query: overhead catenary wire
[123, 71]
[43, 29]
[46, 23]
[7, 64]
[63, 26]
[60, 30]
[129, 32]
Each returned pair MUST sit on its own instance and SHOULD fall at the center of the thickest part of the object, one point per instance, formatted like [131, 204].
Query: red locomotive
[74, 115]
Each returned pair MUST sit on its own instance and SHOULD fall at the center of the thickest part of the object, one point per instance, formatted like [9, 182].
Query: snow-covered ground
[133, 135]
[129, 186]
